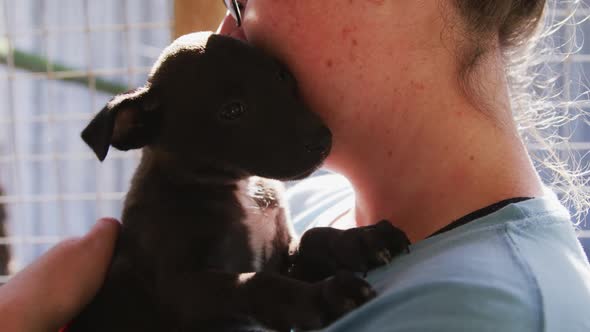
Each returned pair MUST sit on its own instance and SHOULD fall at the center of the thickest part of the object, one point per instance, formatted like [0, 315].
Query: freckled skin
[396, 42]
[287, 27]
[347, 31]
[418, 86]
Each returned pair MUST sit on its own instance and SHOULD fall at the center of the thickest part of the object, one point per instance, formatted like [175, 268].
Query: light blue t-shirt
[518, 269]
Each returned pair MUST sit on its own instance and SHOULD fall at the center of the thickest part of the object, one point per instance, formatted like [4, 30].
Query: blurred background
[62, 60]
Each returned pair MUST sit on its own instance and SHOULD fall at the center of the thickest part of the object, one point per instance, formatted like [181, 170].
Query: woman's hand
[54, 288]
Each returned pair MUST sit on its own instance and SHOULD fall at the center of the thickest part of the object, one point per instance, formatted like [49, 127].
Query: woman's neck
[442, 183]
[424, 161]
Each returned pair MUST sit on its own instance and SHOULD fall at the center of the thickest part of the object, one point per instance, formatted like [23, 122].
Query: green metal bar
[35, 63]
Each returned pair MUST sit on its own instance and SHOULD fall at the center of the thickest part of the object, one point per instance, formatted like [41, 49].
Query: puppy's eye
[232, 111]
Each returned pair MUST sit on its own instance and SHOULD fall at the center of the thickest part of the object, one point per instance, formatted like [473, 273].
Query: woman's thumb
[54, 288]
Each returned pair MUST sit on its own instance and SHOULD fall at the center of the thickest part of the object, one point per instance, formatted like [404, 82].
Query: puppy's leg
[323, 251]
[273, 300]
[4, 253]
[123, 304]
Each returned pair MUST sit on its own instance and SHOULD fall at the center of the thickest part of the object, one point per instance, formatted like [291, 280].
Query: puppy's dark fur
[205, 243]
[4, 253]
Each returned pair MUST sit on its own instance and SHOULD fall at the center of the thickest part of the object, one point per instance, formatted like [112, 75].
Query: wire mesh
[60, 62]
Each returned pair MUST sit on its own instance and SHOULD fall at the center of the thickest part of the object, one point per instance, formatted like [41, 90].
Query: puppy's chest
[265, 220]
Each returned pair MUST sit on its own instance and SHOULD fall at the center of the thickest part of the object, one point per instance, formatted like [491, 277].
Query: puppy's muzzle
[320, 142]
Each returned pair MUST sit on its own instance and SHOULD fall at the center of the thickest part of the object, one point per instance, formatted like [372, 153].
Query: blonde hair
[543, 106]
[530, 34]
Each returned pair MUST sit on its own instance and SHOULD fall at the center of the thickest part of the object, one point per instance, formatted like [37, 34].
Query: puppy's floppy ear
[129, 121]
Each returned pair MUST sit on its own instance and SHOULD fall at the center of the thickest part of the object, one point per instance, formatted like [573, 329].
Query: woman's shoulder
[519, 269]
[446, 305]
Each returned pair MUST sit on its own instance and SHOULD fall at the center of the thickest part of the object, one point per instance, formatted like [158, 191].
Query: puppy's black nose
[320, 142]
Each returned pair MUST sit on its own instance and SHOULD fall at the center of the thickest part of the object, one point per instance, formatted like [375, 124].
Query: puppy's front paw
[364, 248]
[323, 250]
[343, 293]
[386, 240]
[312, 306]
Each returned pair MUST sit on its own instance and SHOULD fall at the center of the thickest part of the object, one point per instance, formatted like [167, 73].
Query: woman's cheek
[263, 27]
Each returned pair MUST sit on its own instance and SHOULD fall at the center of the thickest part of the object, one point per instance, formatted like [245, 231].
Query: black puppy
[4, 253]
[204, 242]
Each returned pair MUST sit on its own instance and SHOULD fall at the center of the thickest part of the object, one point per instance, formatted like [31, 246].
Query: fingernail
[109, 219]
[105, 222]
